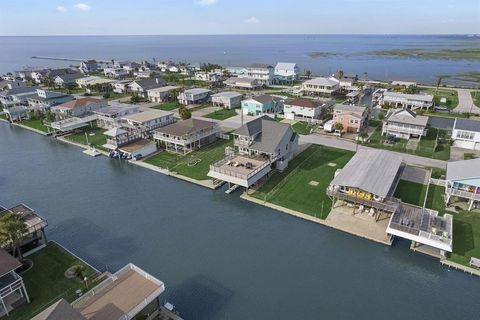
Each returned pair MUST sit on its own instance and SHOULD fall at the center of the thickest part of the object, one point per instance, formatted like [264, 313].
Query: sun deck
[239, 169]
[423, 226]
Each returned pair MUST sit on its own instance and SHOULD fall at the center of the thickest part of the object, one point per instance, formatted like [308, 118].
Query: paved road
[349, 145]
[465, 102]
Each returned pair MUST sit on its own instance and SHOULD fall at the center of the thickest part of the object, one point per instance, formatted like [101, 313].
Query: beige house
[161, 94]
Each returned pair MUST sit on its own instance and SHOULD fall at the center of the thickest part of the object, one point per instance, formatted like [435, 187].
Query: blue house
[463, 183]
[263, 104]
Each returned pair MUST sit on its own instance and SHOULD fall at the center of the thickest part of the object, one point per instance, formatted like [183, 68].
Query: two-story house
[227, 99]
[161, 94]
[194, 96]
[406, 101]
[45, 99]
[142, 86]
[352, 118]
[303, 109]
[463, 182]
[78, 108]
[185, 136]
[260, 146]
[265, 73]
[243, 83]
[321, 86]
[466, 134]
[262, 104]
[405, 124]
[110, 116]
[286, 72]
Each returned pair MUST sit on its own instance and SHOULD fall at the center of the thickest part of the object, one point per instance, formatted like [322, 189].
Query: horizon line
[248, 34]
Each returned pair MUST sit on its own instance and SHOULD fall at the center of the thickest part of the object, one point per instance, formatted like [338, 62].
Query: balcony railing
[463, 194]
[217, 167]
[389, 205]
[18, 283]
[404, 129]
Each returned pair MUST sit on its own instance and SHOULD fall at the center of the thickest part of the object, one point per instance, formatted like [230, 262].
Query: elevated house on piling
[463, 182]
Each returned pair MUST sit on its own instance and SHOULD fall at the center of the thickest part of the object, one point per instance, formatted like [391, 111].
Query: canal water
[221, 257]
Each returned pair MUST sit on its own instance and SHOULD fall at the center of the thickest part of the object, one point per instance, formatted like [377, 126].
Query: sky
[157, 17]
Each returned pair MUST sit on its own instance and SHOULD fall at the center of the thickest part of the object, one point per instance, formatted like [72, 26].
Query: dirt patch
[313, 183]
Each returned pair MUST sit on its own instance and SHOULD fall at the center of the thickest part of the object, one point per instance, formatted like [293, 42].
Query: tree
[12, 231]
[363, 136]
[339, 126]
[184, 113]
[135, 98]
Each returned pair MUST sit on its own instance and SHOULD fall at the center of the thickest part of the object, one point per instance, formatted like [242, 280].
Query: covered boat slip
[422, 226]
[241, 170]
[141, 148]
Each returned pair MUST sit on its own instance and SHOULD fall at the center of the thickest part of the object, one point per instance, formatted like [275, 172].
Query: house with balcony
[185, 136]
[264, 73]
[463, 182]
[303, 109]
[93, 81]
[130, 293]
[404, 124]
[227, 99]
[263, 104]
[10, 83]
[117, 73]
[260, 146]
[45, 99]
[36, 224]
[87, 66]
[194, 96]
[369, 179]
[353, 118]
[243, 83]
[68, 79]
[13, 292]
[321, 86]
[406, 101]
[78, 107]
[14, 102]
[110, 115]
[286, 72]
[466, 134]
[120, 86]
[141, 124]
[161, 94]
[142, 86]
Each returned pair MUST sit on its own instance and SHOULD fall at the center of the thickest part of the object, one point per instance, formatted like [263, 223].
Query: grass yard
[180, 163]
[302, 128]
[411, 192]
[466, 237]
[95, 137]
[476, 97]
[302, 186]
[435, 145]
[35, 123]
[222, 114]
[167, 106]
[450, 95]
[46, 282]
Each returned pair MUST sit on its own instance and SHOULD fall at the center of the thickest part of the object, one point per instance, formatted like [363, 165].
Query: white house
[109, 116]
[161, 94]
[243, 83]
[120, 86]
[262, 72]
[405, 124]
[302, 109]
[466, 134]
[286, 72]
[115, 72]
[407, 101]
[321, 85]
[227, 99]
[144, 122]
[193, 96]
[67, 79]
[78, 108]
[142, 86]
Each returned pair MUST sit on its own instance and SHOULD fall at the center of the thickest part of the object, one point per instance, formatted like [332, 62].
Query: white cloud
[252, 20]
[82, 7]
[61, 9]
[206, 2]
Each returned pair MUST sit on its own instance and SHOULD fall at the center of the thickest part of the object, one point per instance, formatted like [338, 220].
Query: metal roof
[60, 310]
[370, 170]
[321, 81]
[418, 97]
[147, 115]
[467, 124]
[227, 94]
[464, 169]
[407, 117]
[186, 127]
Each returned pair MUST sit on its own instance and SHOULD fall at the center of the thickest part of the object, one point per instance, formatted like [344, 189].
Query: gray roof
[286, 66]
[186, 127]
[148, 84]
[265, 98]
[418, 97]
[407, 117]
[467, 124]
[260, 66]
[7, 262]
[268, 133]
[349, 108]
[197, 91]
[60, 310]
[321, 81]
[71, 76]
[114, 108]
[465, 169]
[227, 94]
[370, 170]
[19, 90]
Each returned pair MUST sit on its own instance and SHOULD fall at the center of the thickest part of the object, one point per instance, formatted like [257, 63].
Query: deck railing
[217, 167]
[463, 194]
[18, 283]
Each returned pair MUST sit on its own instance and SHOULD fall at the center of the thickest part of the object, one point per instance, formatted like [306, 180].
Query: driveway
[465, 102]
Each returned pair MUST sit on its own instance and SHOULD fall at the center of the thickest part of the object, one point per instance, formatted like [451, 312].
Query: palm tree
[12, 231]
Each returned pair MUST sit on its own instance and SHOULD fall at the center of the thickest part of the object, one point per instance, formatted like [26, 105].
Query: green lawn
[180, 163]
[167, 106]
[302, 128]
[46, 282]
[35, 123]
[435, 144]
[476, 98]
[466, 227]
[95, 137]
[450, 95]
[3, 116]
[222, 114]
[294, 188]
[411, 192]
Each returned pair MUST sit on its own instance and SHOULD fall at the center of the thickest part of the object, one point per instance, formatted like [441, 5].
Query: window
[465, 135]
